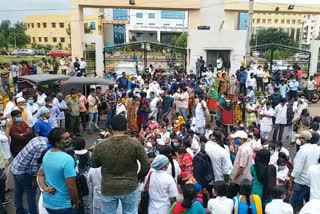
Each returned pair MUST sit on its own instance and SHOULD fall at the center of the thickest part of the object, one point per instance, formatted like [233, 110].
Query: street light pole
[15, 39]
[249, 31]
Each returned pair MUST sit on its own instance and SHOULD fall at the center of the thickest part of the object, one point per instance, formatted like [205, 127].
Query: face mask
[23, 106]
[271, 152]
[176, 144]
[74, 96]
[46, 120]
[282, 168]
[3, 122]
[149, 145]
[237, 142]
[93, 94]
[31, 102]
[159, 141]
[66, 145]
[18, 119]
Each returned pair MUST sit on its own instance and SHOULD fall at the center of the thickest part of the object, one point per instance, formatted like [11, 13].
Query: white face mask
[46, 120]
[149, 145]
[3, 122]
[23, 106]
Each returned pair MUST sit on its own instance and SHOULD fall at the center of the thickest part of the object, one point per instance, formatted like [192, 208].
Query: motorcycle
[314, 95]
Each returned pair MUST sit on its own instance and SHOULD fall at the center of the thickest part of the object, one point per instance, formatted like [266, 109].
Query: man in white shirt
[281, 120]
[220, 158]
[277, 206]
[307, 156]
[260, 78]
[266, 124]
[61, 104]
[313, 177]
[312, 207]
[63, 66]
[298, 107]
[14, 72]
[83, 66]
[183, 103]
[41, 100]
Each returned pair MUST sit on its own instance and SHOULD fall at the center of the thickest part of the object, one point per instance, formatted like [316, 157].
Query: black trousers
[292, 95]
[83, 116]
[74, 125]
[260, 83]
[278, 131]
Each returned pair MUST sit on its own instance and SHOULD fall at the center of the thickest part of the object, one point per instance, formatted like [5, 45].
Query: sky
[16, 10]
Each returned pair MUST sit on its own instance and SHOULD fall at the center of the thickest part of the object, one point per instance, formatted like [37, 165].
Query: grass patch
[11, 59]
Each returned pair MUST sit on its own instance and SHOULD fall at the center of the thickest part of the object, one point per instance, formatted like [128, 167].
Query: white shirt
[41, 100]
[62, 106]
[4, 140]
[312, 207]
[162, 187]
[220, 205]
[307, 156]
[63, 64]
[283, 174]
[259, 72]
[184, 100]
[220, 159]
[311, 85]
[177, 170]
[251, 82]
[313, 177]
[83, 64]
[277, 206]
[298, 108]
[31, 112]
[9, 108]
[14, 70]
[281, 114]
[121, 109]
[266, 122]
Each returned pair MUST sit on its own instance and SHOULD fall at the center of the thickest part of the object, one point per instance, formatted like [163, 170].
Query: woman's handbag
[144, 202]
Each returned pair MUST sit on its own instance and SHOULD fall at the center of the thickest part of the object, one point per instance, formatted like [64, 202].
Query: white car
[301, 56]
[23, 52]
[128, 68]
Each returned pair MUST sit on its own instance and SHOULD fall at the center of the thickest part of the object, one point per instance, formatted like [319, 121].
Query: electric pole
[249, 31]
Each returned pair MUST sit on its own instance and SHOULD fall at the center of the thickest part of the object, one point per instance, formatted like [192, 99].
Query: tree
[9, 35]
[272, 35]
[181, 41]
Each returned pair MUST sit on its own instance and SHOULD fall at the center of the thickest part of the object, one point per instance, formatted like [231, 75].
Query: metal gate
[144, 54]
[90, 58]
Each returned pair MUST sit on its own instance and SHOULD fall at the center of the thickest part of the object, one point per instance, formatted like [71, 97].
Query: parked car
[40, 52]
[23, 52]
[128, 68]
[58, 53]
[301, 56]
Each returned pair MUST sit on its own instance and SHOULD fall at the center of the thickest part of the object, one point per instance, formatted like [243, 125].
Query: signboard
[203, 27]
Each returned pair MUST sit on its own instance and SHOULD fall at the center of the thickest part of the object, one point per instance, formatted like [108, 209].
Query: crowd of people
[209, 142]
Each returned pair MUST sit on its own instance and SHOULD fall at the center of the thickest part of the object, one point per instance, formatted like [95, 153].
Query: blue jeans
[63, 211]
[110, 115]
[5, 81]
[92, 117]
[300, 193]
[23, 183]
[129, 203]
[184, 113]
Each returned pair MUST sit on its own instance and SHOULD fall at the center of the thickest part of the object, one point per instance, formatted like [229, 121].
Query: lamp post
[15, 38]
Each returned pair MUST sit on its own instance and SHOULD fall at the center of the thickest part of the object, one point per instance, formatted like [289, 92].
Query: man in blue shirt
[293, 88]
[243, 79]
[123, 81]
[57, 176]
[42, 126]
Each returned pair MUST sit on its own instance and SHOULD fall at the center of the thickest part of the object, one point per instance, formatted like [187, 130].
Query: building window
[93, 25]
[276, 21]
[269, 21]
[39, 39]
[258, 21]
[28, 25]
[62, 39]
[54, 39]
[45, 39]
[38, 24]
[263, 21]
[33, 39]
[152, 35]
[168, 14]
[151, 15]
[139, 15]
[139, 35]
[282, 21]
[32, 25]
[120, 14]
[100, 28]
[293, 22]
[44, 24]
[288, 21]
[53, 24]
[61, 25]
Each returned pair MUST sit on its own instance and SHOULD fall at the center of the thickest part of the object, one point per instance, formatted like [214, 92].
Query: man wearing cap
[22, 107]
[242, 162]
[42, 127]
[73, 105]
[307, 156]
[280, 120]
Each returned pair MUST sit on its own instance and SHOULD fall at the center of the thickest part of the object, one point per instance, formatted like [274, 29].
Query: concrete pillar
[77, 30]
[98, 41]
[127, 35]
[314, 49]
[159, 36]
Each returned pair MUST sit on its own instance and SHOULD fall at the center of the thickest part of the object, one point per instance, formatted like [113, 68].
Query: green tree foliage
[181, 41]
[9, 34]
[273, 35]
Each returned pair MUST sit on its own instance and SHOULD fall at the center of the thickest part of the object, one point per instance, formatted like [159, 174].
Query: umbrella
[88, 81]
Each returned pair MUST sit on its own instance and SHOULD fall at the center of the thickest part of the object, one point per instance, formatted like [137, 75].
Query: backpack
[82, 186]
[202, 168]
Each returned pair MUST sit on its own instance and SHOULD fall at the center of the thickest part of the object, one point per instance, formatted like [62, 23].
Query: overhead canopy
[39, 78]
[88, 81]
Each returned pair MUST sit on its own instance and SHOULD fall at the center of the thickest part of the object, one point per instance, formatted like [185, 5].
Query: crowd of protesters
[206, 142]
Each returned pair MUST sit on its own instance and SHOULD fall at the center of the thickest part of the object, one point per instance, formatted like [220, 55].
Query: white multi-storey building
[147, 25]
[311, 28]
